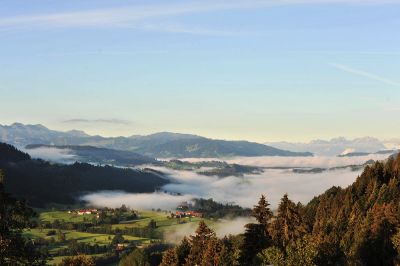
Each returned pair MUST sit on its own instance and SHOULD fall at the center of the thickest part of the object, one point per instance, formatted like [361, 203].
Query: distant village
[84, 211]
[185, 210]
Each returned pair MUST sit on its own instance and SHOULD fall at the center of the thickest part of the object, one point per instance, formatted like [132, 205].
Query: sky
[265, 70]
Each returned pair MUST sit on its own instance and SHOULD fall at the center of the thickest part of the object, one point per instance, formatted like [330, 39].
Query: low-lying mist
[315, 161]
[64, 156]
[222, 228]
[245, 190]
[142, 201]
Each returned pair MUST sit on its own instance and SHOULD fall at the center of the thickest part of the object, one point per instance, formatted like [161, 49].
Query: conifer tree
[170, 258]
[199, 243]
[262, 212]
[256, 236]
[183, 250]
[287, 225]
[226, 258]
[212, 253]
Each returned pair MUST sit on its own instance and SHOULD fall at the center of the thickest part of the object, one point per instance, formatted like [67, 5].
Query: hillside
[163, 144]
[358, 224]
[41, 182]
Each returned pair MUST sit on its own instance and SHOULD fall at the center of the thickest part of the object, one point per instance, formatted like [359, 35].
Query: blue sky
[259, 70]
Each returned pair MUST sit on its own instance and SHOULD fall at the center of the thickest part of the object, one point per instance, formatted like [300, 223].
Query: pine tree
[256, 237]
[287, 225]
[211, 254]
[199, 243]
[262, 212]
[170, 258]
[183, 250]
[225, 257]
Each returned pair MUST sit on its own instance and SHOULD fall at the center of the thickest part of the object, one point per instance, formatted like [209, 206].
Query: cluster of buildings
[183, 210]
[182, 214]
[85, 211]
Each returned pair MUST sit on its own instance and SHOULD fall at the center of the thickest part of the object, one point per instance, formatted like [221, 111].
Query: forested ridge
[41, 182]
[358, 225]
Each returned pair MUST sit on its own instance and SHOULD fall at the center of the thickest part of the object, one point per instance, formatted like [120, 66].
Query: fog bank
[222, 228]
[315, 161]
[141, 201]
[65, 156]
[244, 191]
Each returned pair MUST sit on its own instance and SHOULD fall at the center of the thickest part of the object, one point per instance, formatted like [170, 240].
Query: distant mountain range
[158, 145]
[335, 146]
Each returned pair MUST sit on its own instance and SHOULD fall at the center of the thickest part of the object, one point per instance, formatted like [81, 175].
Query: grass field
[165, 225]
[101, 239]
[51, 216]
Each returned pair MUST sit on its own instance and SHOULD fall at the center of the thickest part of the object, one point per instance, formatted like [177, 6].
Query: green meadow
[164, 225]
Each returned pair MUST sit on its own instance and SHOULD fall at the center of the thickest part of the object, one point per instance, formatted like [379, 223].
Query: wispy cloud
[365, 74]
[103, 52]
[135, 16]
[97, 121]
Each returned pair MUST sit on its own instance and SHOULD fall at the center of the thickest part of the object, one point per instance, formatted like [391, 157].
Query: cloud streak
[139, 16]
[97, 121]
[365, 74]
[104, 52]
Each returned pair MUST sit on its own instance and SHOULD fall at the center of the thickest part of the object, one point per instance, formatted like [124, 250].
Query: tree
[136, 258]
[256, 236]
[60, 236]
[199, 243]
[287, 225]
[183, 250]
[272, 255]
[170, 258]
[262, 212]
[301, 252]
[118, 239]
[152, 224]
[14, 217]
[211, 254]
[80, 260]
